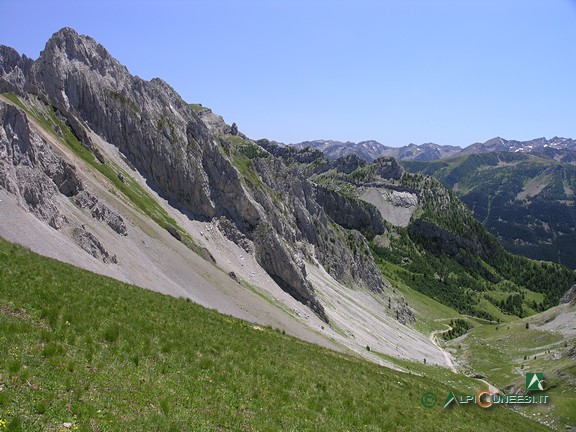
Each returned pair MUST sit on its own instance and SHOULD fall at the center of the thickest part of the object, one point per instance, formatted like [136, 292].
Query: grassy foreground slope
[80, 351]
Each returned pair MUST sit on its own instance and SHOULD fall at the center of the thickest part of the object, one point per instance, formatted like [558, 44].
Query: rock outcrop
[347, 257]
[388, 168]
[232, 233]
[101, 212]
[37, 176]
[30, 169]
[88, 241]
[569, 297]
[290, 153]
[13, 70]
[350, 213]
[344, 254]
[284, 267]
[348, 164]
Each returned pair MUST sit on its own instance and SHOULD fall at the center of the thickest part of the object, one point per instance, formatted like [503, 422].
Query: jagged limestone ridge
[197, 162]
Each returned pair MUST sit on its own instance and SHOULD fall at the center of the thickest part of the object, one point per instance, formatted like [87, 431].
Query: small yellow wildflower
[3, 424]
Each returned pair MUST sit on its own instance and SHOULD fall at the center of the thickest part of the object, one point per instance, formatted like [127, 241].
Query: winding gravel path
[434, 340]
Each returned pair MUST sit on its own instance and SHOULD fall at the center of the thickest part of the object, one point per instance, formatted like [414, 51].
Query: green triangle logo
[534, 381]
[449, 399]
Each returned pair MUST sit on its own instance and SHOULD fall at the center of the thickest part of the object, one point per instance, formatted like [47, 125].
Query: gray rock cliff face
[285, 267]
[30, 170]
[82, 80]
[349, 213]
[147, 121]
[192, 157]
[347, 257]
[36, 175]
[13, 70]
[302, 217]
[388, 168]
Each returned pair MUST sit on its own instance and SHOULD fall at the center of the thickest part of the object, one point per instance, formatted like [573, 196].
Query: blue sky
[445, 71]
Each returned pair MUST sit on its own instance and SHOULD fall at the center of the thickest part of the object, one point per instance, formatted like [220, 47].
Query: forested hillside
[526, 201]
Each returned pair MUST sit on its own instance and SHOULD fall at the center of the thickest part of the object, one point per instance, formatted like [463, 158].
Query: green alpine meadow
[84, 352]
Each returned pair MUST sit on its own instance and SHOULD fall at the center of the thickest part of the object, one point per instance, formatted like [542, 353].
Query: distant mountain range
[371, 150]
[559, 149]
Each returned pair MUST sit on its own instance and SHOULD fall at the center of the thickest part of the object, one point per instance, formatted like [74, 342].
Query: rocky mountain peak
[66, 39]
[69, 43]
[68, 59]
[493, 141]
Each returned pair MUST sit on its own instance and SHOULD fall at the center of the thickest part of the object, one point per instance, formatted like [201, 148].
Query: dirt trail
[434, 340]
[491, 388]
